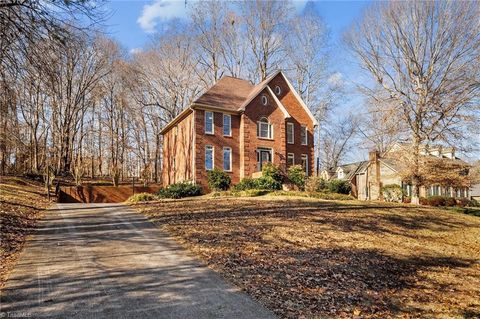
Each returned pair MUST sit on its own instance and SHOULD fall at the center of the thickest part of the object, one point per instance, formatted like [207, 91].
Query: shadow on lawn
[327, 281]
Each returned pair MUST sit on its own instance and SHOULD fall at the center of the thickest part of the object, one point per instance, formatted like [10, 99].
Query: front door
[264, 155]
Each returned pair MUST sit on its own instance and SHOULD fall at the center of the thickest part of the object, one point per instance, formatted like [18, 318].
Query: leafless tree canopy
[425, 58]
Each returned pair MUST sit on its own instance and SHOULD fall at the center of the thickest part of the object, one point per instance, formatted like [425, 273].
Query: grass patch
[303, 257]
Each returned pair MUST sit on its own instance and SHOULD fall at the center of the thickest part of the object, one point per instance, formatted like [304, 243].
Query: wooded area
[74, 103]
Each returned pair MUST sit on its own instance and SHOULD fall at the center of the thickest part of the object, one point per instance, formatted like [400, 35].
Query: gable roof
[234, 94]
[228, 93]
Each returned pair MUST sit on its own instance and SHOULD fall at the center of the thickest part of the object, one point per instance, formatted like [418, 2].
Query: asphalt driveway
[106, 261]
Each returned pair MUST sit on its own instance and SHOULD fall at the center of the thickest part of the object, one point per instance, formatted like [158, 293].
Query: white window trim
[213, 158]
[270, 130]
[293, 157]
[230, 149]
[292, 125]
[306, 135]
[213, 123]
[230, 128]
[306, 162]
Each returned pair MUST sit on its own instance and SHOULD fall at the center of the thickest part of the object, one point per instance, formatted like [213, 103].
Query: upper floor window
[264, 100]
[305, 162]
[208, 122]
[290, 159]
[227, 159]
[227, 125]
[290, 133]
[304, 135]
[209, 157]
[264, 128]
[340, 174]
[278, 90]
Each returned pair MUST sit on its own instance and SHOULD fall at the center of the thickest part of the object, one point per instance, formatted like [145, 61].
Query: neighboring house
[237, 127]
[368, 177]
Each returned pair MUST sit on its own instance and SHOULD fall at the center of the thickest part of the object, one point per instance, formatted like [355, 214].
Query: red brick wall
[218, 141]
[299, 117]
[178, 146]
[253, 112]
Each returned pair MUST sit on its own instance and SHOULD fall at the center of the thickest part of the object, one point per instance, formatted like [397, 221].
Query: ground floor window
[290, 159]
[305, 162]
[208, 157]
[227, 159]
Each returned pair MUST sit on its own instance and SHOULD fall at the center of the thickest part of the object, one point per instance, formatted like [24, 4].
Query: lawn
[308, 258]
[22, 203]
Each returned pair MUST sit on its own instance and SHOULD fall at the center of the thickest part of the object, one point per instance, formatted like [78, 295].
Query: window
[264, 129]
[278, 90]
[304, 135]
[264, 100]
[340, 174]
[208, 122]
[305, 162]
[290, 133]
[227, 159]
[227, 125]
[208, 157]
[290, 159]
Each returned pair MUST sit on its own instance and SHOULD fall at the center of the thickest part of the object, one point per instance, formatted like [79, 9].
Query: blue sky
[133, 23]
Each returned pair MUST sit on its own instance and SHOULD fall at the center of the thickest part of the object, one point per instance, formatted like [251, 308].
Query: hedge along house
[237, 127]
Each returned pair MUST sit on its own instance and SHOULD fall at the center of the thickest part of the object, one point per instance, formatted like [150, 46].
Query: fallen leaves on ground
[21, 204]
[305, 258]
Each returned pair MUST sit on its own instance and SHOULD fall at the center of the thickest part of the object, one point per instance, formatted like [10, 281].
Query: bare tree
[265, 23]
[425, 57]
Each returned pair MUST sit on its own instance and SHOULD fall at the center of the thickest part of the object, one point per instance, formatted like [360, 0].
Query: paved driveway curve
[106, 261]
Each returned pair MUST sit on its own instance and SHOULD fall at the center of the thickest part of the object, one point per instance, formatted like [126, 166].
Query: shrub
[141, 197]
[462, 202]
[450, 201]
[474, 203]
[392, 193]
[218, 180]
[436, 201]
[267, 182]
[315, 184]
[339, 186]
[407, 199]
[180, 190]
[271, 171]
[246, 183]
[296, 174]
[423, 201]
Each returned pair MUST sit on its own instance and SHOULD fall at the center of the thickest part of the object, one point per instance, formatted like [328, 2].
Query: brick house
[237, 127]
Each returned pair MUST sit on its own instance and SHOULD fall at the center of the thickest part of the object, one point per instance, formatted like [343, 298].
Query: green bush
[392, 193]
[474, 203]
[218, 180]
[271, 171]
[296, 174]
[245, 183]
[141, 197]
[268, 183]
[315, 184]
[180, 190]
[339, 186]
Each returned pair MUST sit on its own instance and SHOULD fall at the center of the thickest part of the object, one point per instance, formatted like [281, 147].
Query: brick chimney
[373, 157]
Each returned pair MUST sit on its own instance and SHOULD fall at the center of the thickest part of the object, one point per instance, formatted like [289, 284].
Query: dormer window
[264, 100]
[340, 174]
[278, 90]
[264, 129]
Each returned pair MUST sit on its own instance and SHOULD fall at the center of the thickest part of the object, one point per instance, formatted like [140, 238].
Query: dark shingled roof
[228, 93]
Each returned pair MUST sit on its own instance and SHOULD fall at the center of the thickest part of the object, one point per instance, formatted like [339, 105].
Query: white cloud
[336, 79]
[135, 51]
[160, 10]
